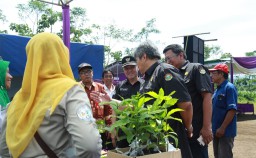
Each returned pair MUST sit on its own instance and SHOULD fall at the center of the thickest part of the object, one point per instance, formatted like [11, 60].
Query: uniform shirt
[162, 75]
[70, 131]
[125, 89]
[197, 79]
[224, 99]
[99, 112]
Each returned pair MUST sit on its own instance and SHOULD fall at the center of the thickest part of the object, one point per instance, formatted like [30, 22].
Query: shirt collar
[126, 81]
[111, 89]
[151, 69]
[185, 65]
[222, 84]
[93, 84]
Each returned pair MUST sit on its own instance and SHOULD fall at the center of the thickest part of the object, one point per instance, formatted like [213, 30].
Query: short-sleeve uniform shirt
[162, 75]
[224, 99]
[197, 79]
[125, 89]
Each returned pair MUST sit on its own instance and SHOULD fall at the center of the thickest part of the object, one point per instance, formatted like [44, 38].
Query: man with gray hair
[198, 82]
[161, 75]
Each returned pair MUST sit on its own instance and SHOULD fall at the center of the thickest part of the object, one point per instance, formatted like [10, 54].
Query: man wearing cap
[224, 112]
[161, 75]
[131, 85]
[128, 87]
[198, 82]
[99, 112]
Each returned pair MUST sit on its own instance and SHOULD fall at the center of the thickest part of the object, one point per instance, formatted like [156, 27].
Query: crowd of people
[53, 115]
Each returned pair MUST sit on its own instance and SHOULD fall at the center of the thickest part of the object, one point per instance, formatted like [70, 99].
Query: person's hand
[113, 138]
[112, 135]
[99, 97]
[189, 131]
[220, 132]
[206, 133]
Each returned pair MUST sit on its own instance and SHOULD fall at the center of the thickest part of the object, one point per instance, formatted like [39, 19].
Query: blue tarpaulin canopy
[12, 48]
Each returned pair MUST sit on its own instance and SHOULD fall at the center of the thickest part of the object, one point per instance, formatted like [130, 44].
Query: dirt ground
[245, 142]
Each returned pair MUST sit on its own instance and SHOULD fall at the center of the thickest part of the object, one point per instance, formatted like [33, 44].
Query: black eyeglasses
[85, 72]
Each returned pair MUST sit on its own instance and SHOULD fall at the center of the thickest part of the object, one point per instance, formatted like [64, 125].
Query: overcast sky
[232, 22]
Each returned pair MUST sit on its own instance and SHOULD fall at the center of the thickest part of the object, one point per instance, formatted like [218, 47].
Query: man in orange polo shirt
[85, 71]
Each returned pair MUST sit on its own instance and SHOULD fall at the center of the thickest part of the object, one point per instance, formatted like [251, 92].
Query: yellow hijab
[47, 78]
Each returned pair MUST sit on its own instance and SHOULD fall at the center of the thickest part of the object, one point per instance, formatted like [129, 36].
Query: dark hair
[147, 48]
[107, 71]
[225, 75]
[176, 49]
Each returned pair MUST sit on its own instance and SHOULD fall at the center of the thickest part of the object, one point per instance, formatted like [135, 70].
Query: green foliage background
[246, 86]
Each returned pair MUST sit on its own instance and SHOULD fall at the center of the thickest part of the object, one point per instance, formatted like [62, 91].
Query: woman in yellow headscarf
[52, 103]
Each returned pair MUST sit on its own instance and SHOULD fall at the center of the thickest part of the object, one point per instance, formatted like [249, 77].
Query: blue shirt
[224, 99]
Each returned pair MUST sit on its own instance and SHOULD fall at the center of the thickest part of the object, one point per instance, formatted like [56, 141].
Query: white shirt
[110, 91]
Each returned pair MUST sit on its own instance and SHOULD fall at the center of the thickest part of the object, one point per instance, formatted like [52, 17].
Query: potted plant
[144, 122]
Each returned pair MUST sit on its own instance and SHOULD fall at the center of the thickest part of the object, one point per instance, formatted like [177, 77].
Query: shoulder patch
[202, 71]
[168, 77]
[84, 113]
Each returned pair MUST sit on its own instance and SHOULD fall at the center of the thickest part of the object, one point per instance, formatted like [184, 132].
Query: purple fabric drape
[246, 62]
[66, 25]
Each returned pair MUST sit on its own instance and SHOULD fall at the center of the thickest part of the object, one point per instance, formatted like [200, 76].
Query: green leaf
[172, 93]
[161, 92]
[156, 111]
[173, 111]
[119, 123]
[171, 101]
[128, 134]
[152, 123]
[142, 101]
[152, 94]
[174, 118]
[174, 137]
[145, 137]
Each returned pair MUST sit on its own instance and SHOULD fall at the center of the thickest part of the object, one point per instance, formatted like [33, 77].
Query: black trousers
[106, 142]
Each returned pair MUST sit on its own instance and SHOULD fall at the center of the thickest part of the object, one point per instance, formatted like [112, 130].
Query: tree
[249, 54]
[226, 55]
[3, 20]
[2, 16]
[143, 34]
[78, 30]
[36, 14]
[31, 12]
[146, 31]
[210, 51]
[21, 29]
[246, 88]
[110, 36]
[48, 19]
